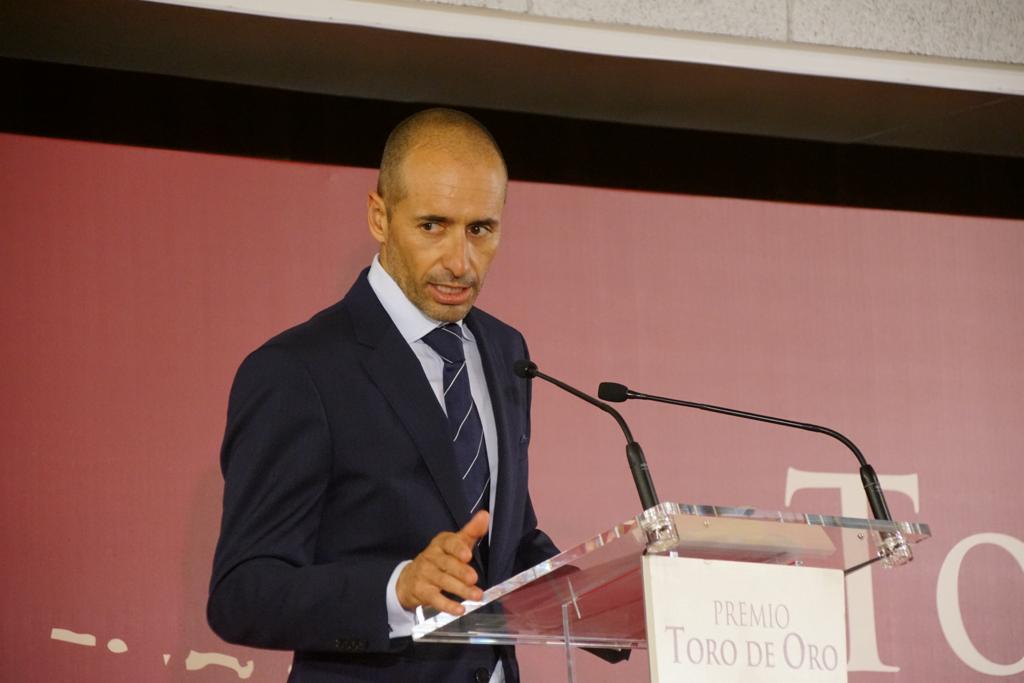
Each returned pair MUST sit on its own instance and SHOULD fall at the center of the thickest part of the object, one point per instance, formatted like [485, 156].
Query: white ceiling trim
[623, 41]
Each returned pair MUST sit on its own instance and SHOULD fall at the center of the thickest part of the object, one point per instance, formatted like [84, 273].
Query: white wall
[985, 30]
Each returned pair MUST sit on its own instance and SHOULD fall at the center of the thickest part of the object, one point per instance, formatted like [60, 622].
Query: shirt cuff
[400, 620]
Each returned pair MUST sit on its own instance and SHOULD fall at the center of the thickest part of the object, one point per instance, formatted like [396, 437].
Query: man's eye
[429, 226]
[478, 229]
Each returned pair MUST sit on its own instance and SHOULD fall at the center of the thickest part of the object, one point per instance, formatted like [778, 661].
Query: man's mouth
[451, 295]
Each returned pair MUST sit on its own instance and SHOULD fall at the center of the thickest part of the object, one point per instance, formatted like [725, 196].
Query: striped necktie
[464, 423]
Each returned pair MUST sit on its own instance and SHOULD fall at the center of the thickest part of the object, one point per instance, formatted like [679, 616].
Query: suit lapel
[395, 370]
[496, 369]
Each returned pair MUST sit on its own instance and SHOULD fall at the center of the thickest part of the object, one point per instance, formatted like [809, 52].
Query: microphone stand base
[659, 528]
[894, 550]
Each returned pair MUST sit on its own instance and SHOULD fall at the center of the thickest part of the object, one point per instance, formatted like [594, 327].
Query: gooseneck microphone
[634, 454]
[617, 393]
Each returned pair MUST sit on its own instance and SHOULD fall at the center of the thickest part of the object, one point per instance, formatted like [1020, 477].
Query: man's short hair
[425, 127]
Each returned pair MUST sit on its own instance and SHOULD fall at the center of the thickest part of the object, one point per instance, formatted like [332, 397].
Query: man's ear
[377, 217]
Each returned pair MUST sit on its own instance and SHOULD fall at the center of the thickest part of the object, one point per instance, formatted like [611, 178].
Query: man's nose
[456, 259]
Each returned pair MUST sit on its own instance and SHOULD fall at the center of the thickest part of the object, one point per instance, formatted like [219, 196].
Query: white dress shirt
[413, 324]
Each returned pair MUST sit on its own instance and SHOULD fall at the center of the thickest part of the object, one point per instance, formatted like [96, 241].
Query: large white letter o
[947, 599]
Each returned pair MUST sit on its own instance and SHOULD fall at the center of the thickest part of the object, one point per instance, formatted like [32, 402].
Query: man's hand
[444, 566]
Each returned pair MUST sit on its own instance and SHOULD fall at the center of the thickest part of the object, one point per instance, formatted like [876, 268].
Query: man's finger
[425, 591]
[460, 570]
[438, 601]
[458, 546]
[475, 528]
[453, 585]
[446, 573]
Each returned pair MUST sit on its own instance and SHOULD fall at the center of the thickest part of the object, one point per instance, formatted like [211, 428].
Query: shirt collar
[412, 323]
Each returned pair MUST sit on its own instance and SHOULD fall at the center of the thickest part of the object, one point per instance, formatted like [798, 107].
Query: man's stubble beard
[417, 292]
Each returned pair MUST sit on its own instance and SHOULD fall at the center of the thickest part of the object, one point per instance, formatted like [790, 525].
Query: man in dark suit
[375, 457]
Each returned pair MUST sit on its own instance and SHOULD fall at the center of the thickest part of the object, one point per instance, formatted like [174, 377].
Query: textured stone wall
[985, 30]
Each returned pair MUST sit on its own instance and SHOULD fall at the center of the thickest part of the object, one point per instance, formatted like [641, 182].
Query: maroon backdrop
[135, 280]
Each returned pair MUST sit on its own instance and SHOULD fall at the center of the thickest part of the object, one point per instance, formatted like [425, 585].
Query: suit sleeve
[267, 588]
[534, 546]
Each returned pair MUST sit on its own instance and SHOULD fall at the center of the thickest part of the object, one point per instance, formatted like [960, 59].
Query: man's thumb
[476, 527]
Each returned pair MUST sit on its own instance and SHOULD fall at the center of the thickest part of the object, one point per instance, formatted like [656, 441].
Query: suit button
[481, 675]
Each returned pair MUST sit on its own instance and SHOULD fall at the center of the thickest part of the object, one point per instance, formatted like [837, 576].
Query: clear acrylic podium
[592, 595]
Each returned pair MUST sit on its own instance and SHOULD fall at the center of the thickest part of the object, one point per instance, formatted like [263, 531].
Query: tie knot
[447, 341]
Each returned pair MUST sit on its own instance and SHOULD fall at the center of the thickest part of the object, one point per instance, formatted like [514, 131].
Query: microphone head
[612, 391]
[525, 368]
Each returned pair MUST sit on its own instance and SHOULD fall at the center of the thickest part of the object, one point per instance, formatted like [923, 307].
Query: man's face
[438, 240]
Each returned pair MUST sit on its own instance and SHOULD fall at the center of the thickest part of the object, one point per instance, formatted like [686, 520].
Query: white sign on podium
[715, 621]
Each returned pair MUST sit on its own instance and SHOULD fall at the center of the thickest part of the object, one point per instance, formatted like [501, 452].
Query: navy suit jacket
[337, 466]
